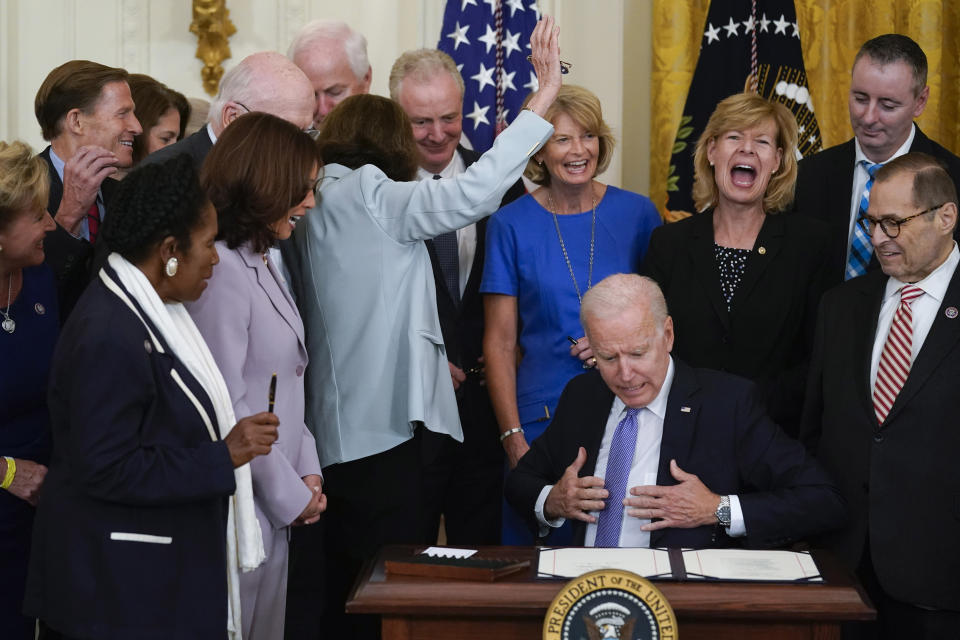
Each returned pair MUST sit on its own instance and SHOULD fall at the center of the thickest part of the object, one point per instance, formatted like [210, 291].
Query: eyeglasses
[310, 131]
[564, 66]
[891, 226]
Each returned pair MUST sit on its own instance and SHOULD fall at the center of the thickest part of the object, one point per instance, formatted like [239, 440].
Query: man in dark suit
[85, 110]
[888, 89]
[882, 404]
[465, 481]
[264, 81]
[646, 451]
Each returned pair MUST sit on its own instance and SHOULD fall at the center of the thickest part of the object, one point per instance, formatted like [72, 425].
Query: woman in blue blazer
[130, 538]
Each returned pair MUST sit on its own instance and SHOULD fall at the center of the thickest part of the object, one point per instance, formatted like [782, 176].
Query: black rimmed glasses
[891, 226]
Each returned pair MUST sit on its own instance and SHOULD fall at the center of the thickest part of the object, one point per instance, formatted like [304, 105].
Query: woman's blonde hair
[583, 106]
[736, 113]
[24, 180]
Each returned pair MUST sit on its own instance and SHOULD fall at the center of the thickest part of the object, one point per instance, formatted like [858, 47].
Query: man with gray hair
[645, 451]
[264, 81]
[334, 57]
[882, 404]
[464, 481]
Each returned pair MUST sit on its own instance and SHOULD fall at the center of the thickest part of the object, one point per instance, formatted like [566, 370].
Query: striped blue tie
[860, 247]
[618, 471]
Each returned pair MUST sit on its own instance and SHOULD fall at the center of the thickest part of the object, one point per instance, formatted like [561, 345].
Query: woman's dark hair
[259, 169]
[368, 129]
[154, 201]
[152, 99]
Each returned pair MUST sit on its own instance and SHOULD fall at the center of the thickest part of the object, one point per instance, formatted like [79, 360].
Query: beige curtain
[831, 32]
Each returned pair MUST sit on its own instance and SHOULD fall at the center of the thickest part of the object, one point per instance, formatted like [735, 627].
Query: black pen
[273, 392]
[572, 340]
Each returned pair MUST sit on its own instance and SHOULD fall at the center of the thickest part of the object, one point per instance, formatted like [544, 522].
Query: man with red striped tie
[883, 401]
[85, 110]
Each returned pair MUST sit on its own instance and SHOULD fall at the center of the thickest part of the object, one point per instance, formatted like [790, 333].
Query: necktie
[895, 356]
[448, 256]
[93, 221]
[619, 462]
[860, 247]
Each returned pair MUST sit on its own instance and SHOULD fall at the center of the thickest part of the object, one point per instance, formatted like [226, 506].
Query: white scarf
[244, 540]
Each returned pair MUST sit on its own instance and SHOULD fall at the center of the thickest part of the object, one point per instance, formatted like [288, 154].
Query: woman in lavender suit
[260, 177]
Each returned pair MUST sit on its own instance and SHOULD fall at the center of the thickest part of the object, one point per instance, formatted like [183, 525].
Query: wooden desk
[414, 608]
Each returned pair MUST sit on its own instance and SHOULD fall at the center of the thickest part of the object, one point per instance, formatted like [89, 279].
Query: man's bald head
[267, 82]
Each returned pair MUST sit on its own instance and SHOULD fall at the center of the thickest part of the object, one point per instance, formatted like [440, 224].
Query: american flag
[490, 41]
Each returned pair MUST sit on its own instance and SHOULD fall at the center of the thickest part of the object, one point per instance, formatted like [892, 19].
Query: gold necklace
[563, 247]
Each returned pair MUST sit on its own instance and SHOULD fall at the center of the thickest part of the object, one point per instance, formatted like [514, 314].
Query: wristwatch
[723, 511]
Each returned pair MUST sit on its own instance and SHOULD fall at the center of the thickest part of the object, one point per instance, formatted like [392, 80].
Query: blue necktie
[860, 247]
[448, 256]
[619, 462]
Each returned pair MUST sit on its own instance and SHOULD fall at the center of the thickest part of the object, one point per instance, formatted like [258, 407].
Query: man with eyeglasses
[264, 81]
[888, 90]
[883, 402]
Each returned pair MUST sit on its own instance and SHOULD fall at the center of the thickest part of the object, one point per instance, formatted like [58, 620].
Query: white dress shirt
[467, 236]
[924, 309]
[643, 470]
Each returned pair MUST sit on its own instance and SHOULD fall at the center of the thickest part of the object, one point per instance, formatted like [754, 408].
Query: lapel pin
[762, 251]
[684, 409]
[147, 346]
[40, 309]
[950, 312]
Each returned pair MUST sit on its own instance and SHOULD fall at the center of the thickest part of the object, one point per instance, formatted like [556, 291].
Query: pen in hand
[273, 392]
[572, 340]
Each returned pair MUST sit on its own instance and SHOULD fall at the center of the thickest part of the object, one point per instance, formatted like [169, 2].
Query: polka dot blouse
[731, 263]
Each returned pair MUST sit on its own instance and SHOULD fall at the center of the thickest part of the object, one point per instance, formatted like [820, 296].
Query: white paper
[447, 552]
[573, 562]
[744, 564]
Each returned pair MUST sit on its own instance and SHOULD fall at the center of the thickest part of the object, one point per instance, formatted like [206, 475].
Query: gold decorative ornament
[213, 28]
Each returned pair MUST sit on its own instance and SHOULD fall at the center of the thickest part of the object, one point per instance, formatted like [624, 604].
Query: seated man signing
[646, 451]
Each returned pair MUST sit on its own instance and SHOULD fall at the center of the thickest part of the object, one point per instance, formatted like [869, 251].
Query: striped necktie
[619, 461]
[860, 247]
[895, 357]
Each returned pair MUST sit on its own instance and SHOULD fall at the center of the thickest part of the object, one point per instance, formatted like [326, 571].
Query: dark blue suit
[131, 455]
[724, 438]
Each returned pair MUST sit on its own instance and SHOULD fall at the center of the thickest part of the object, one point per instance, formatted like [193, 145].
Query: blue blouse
[524, 260]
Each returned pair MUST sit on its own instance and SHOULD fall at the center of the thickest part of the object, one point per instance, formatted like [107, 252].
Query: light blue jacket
[366, 292]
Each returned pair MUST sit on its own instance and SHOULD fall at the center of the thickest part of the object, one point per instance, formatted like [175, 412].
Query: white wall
[153, 37]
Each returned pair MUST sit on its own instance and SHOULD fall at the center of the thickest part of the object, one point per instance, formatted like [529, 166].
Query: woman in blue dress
[543, 252]
[28, 331]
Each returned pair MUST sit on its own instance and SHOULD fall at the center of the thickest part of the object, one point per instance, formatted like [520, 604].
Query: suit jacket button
[878, 437]
[299, 370]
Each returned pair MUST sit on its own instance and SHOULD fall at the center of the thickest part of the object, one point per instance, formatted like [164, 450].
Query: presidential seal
[610, 604]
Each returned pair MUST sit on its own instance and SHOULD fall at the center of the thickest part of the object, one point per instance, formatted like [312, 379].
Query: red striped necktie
[895, 357]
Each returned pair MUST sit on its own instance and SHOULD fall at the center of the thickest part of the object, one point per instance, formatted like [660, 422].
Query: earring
[171, 267]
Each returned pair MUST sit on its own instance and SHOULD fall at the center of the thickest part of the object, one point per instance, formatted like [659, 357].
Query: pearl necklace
[563, 246]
